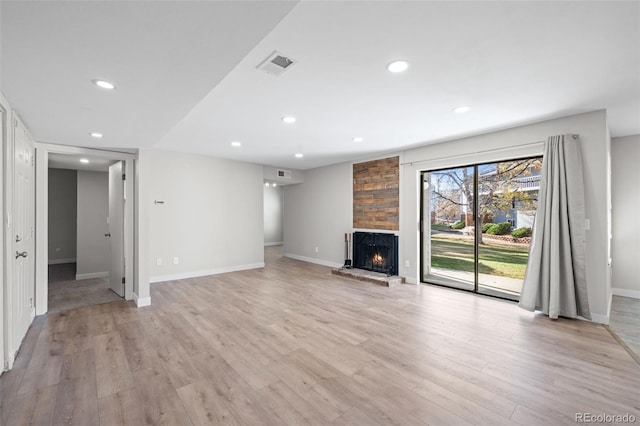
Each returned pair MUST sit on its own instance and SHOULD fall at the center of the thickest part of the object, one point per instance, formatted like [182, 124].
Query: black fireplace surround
[376, 252]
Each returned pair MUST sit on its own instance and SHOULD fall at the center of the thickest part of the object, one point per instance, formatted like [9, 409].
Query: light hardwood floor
[625, 323]
[291, 344]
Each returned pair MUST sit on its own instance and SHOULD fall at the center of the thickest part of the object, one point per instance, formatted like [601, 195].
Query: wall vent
[276, 63]
[284, 174]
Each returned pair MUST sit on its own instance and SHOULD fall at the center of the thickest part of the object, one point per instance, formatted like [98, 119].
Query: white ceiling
[72, 162]
[187, 80]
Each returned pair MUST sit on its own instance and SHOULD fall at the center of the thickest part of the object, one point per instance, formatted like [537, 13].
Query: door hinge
[124, 177]
[122, 280]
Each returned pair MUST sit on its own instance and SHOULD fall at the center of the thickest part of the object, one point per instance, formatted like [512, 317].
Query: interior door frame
[42, 215]
[5, 130]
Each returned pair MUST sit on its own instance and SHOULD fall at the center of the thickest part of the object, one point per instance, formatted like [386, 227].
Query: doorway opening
[476, 225]
[96, 264]
[79, 243]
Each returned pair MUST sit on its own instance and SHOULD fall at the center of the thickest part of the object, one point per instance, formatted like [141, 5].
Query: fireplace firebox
[376, 252]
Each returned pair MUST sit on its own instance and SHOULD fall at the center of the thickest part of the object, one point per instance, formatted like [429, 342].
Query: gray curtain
[555, 282]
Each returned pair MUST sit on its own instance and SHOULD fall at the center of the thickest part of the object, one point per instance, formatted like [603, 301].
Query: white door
[22, 235]
[116, 227]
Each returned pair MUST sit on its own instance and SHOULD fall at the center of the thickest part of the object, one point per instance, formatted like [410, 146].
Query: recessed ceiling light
[299, 155]
[104, 84]
[274, 184]
[84, 160]
[236, 144]
[289, 119]
[398, 65]
[461, 109]
[96, 135]
[357, 139]
[266, 184]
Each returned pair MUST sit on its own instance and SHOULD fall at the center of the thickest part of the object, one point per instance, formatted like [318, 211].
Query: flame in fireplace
[378, 259]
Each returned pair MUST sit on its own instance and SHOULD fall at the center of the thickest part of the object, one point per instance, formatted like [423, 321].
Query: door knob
[23, 254]
[18, 239]
[108, 234]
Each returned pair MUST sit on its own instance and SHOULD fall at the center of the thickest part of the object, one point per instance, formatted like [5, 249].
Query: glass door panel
[507, 200]
[448, 237]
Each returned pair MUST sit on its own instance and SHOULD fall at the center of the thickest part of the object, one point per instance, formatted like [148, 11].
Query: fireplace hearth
[377, 252]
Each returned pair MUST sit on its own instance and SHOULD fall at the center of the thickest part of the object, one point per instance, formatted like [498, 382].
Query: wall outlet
[407, 264]
[317, 250]
[176, 260]
[159, 262]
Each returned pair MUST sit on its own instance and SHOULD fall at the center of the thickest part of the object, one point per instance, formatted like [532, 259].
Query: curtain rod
[574, 136]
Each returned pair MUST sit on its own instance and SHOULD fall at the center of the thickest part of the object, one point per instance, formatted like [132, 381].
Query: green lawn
[494, 260]
[439, 227]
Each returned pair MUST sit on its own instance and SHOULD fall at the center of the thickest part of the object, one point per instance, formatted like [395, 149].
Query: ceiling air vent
[276, 63]
[284, 174]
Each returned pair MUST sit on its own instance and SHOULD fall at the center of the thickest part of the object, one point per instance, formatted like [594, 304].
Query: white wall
[272, 215]
[62, 211]
[93, 251]
[317, 213]
[625, 154]
[321, 207]
[211, 219]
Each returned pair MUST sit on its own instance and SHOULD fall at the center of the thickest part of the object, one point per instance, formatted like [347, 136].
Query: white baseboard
[312, 260]
[60, 261]
[202, 273]
[634, 294]
[92, 275]
[274, 244]
[410, 280]
[600, 319]
[141, 302]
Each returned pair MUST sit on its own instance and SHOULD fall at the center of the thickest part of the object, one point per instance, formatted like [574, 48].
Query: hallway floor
[65, 292]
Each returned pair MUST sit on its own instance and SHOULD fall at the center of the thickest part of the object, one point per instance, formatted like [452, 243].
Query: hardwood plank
[9, 384]
[205, 406]
[34, 408]
[112, 368]
[76, 402]
[355, 417]
[158, 399]
[120, 409]
[283, 402]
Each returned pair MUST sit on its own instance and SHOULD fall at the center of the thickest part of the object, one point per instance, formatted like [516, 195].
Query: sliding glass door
[449, 246]
[476, 225]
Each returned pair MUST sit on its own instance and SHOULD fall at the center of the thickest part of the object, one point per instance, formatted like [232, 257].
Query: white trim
[279, 243]
[60, 261]
[42, 236]
[312, 260]
[377, 231]
[141, 301]
[42, 221]
[205, 272]
[92, 275]
[410, 280]
[600, 319]
[4, 136]
[634, 294]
